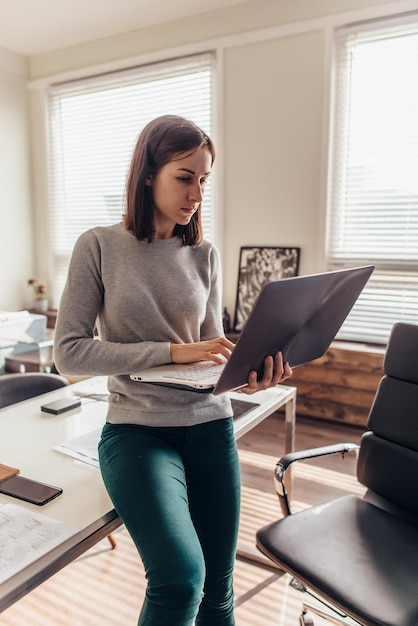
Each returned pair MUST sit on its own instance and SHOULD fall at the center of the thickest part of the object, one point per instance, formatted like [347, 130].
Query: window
[93, 127]
[373, 199]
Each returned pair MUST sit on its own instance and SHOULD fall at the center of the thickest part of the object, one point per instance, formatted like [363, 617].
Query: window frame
[394, 278]
[59, 261]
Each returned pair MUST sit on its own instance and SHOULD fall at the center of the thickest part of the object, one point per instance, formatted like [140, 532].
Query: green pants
[177, 491]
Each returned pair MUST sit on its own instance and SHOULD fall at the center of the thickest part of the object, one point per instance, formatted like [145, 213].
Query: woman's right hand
[275, 372]
[217, 350]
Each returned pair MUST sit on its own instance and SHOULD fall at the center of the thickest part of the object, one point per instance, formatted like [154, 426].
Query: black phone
[29, 490]
[61, 405]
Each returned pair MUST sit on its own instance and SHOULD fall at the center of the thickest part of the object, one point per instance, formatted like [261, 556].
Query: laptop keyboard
[198, 371]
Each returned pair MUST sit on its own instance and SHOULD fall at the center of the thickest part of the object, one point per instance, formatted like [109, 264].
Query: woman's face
[177, 190]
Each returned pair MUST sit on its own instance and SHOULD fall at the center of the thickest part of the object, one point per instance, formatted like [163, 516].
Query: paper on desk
[95, 387]
[11, 316]
[25, 536]
[83, 448]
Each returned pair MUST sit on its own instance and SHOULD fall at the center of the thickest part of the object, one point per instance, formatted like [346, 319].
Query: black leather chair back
[17, 387]
[388, 458]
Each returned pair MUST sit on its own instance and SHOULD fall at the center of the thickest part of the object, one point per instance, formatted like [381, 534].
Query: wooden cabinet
[340, 386]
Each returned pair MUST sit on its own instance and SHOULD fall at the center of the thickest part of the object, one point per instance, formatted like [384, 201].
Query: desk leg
[289, 433]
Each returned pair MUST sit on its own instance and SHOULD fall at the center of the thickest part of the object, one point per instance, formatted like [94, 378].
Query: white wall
[273, 129]
[272, 124]
[16, 215]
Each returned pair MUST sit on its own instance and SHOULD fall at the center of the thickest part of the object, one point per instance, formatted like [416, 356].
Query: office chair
[359, 555]
[18, 387]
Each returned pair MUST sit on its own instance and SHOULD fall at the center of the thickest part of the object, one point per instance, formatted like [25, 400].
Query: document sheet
[25, 536]
[84, 445]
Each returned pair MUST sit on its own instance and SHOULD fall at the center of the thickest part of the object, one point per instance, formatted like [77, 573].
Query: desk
[27, 438]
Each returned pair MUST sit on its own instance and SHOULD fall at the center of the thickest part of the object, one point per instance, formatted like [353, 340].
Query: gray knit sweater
[141, 297]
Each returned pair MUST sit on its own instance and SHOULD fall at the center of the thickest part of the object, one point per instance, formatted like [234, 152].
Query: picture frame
[259, 265]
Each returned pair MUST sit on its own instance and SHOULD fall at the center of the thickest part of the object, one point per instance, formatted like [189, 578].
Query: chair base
[326, 611]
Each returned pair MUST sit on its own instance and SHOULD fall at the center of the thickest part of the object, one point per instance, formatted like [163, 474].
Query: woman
[152, 287]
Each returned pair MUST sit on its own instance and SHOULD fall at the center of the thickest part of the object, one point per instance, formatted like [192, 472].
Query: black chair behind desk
[18, 387]
[359, 555]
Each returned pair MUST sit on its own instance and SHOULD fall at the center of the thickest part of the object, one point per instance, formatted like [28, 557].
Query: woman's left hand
[275, 372]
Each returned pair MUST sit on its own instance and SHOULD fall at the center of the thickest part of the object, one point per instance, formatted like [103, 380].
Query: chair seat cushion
[357, 556]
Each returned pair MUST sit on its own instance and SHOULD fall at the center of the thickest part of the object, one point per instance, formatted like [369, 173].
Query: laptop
[298, 316]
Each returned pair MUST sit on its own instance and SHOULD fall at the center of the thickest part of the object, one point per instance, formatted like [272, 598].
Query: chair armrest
[303, 455]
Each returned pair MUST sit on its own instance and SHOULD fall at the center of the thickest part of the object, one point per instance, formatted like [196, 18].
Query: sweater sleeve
[76, 350]
[212, 325]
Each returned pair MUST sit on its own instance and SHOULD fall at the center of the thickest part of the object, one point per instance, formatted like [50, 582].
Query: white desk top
[27, 438]
[270, 400]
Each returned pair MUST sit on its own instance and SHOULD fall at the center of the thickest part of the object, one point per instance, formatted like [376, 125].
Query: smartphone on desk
[29, 490]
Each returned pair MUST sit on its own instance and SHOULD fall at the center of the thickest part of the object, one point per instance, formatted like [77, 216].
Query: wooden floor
[105, 587]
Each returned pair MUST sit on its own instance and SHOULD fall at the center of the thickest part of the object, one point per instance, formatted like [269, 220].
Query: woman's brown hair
[161, 141]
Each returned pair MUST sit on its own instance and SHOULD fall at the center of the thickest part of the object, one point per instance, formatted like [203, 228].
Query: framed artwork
[258, 266]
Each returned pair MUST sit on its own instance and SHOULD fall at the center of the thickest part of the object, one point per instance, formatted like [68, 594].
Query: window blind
[373, 195]
[93, 127]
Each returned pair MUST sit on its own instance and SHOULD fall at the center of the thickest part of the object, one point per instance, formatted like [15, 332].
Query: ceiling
[31, 27]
